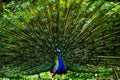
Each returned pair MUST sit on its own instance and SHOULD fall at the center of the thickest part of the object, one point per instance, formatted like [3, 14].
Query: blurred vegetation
[105, 74]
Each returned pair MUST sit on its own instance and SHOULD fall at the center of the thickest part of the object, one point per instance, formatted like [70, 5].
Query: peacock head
[58, 49]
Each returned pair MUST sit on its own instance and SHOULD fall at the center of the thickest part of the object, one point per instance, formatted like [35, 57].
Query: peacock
[59, 36]
[59, 68]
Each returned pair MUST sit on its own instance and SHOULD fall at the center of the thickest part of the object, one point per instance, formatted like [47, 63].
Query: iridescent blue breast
[61, 69]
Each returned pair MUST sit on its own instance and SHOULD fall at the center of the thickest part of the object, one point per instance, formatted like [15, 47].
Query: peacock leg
[52, 78]
[61, 77]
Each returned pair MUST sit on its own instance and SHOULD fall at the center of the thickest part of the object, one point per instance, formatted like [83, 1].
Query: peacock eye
[50, 40]
[1, 33]
[14, 28]
[41, 44]
[99, 35]
[12, 41]
[27, 28]
[62, 20]
[54, 14]
[49, 45]
[46, 31]
[111, 47]
[23, 38]
[22, 46]
[90, 41]
[91, 47]
[61, 30]
[32, 44]
[87, 0]
[33, 17]
[67, 35]
[54, 25]
[27, 6]
[56, 44]
[4, 21]
[63, 44]
[74, 3]
[41, 9]
[80, 40]
[55, 34]
[12, 49]
[60, 39]
[1, 44]
[112, 38]
[81, 47]
[75, 33]
[42, 38]
[37, 29]
[1, 66]
[94, 25]
[2, 53]
[52, 1]
[101, 44]
[33, 36]
[87, 33]
[73, 14]
[108, 28]
[62, 8]
[45, 20]
[20, 17]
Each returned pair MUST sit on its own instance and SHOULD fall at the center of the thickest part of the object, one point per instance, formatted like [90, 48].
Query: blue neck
[61, 67]
[59, 57]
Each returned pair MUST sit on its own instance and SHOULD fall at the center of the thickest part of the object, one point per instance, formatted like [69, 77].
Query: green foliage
[105, 74]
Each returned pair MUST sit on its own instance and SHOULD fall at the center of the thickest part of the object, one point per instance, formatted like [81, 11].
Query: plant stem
[60, 77]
